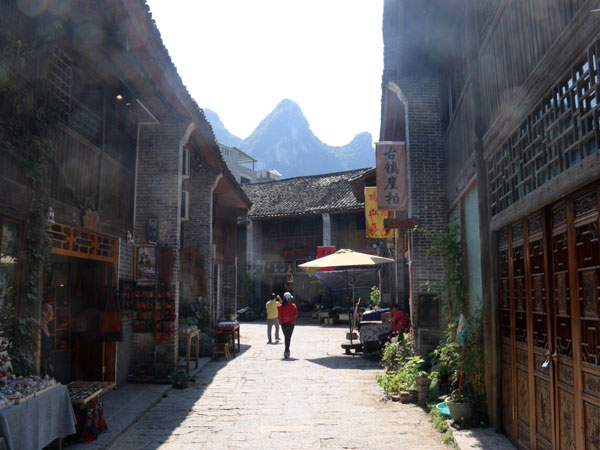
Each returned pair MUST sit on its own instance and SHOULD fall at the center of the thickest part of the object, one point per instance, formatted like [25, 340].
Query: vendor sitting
[399, 319]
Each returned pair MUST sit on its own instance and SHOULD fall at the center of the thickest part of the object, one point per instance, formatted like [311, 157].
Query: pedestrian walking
[272, 307]
[287, 317]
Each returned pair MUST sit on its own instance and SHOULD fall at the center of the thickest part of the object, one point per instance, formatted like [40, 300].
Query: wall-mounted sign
[325, 250]
[152, 229]
[375, 217]
[391, 172]
[90, 219]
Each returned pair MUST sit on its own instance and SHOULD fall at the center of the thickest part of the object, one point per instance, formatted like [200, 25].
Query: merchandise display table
[89, 412]
[36, 422]
[229, 329]
[188, 338]
[83, 392]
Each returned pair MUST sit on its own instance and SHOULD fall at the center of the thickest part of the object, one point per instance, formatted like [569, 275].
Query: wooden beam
[403, 224]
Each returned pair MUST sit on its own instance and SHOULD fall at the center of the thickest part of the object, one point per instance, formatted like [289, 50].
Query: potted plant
[468, 379]
[423, 379]
[180, 379]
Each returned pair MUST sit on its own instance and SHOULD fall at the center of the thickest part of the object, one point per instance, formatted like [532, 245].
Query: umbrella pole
[350, 321]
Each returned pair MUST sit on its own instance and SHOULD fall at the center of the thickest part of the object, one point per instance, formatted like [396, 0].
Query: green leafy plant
[401, 379]
[401, 363]
[30, 119]
[440, 424]
[447, 243]
[205, 344]
[180, 379]
[446, 360]
[375, 297]
[397, 351]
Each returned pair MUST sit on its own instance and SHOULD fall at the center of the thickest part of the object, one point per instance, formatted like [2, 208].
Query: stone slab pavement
[319, 398]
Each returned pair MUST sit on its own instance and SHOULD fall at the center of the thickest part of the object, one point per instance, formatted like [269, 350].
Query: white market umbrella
[344, 258]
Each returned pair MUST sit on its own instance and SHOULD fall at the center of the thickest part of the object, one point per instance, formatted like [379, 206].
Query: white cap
[287, 295]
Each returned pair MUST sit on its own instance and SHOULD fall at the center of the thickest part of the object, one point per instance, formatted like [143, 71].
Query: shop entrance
[75, 291]
[82, 271]
[549, 295]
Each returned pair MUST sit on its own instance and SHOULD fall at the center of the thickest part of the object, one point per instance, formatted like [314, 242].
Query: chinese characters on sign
[392, 186]
[324, 250]
[90, 219]
[375, 217]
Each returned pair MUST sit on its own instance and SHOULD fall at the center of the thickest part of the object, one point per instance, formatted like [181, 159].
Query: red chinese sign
[391, 172]
[90, 219]
[324, 250]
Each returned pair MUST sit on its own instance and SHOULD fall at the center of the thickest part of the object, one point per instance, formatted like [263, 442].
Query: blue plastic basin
[443, 409]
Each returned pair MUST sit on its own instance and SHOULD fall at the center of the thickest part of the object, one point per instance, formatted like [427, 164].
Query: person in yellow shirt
[272, 307]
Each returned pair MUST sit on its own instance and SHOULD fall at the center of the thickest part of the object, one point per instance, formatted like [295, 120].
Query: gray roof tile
[313, 194]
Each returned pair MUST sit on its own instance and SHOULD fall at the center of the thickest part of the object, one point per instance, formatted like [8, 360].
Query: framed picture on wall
[145, 264]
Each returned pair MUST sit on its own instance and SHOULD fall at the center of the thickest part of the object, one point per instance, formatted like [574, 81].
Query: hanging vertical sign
[374, 216]
[391, 172]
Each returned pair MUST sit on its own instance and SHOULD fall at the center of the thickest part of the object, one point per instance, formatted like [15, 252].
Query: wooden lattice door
[549, 294]
[585, 283]
[563, 395]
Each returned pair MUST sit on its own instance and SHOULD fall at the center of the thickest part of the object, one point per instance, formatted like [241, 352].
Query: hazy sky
[240, 58]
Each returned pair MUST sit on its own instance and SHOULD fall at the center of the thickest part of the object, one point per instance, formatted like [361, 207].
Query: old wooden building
[503, 94]
[136, 182]
[290, 219]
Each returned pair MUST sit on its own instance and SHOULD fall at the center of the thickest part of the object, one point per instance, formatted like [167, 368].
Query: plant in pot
[423, 379]
[466, 402]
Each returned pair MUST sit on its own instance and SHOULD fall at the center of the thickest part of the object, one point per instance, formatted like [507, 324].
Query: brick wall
[158, 194]
[197, 231]
[427, 196]
[124, 346]
[254, 255]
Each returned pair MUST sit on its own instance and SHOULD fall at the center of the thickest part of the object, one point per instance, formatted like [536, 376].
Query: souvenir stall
[81, 321]
[34, 410]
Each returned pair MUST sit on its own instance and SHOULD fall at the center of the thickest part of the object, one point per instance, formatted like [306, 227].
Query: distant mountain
[284, 141]
[221, 133]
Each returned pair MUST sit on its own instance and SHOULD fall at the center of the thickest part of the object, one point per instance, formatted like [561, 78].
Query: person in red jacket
[287, 318]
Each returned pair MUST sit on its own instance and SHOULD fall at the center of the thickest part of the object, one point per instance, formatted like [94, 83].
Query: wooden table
[188, 337]
[83, 392]
[231, 329]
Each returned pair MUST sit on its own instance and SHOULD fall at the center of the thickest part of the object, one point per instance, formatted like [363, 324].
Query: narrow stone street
[319, 398]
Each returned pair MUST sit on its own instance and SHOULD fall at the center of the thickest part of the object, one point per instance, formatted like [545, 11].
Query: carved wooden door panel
[521, 334]
[516, 401]
[541, 383]
[507, 331]
[586, 288]
[563, 341]
[549, 295]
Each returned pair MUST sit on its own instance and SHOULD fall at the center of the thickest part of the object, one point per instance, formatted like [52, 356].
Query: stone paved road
[319, 398]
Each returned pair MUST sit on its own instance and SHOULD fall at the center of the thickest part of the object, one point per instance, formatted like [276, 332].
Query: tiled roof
[313, 194]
